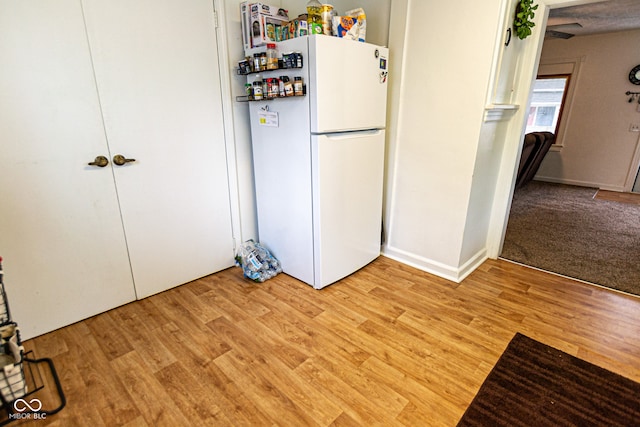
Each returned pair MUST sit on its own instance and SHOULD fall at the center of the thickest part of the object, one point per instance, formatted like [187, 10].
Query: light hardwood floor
[615, 196]
[389, 345]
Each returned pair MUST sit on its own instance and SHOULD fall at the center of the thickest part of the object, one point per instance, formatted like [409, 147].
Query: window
[547, 101]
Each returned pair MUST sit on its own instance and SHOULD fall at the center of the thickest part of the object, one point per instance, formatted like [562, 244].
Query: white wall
[598, 149]
[440, 78]
[451, 168]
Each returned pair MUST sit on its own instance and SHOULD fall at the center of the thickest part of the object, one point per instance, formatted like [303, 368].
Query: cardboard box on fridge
[264, 21]
[295, 28]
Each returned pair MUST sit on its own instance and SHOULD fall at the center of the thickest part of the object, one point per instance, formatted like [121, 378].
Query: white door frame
[228, 117]
[634, 169]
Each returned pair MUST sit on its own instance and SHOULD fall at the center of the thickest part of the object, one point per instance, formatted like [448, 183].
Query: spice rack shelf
[247, 98]
[261, 64]
[248, 73]
[273, 86]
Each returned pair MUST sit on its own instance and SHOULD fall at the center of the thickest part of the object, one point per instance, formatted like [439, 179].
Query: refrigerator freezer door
[347, 202]
[282, 170]
[348, 84]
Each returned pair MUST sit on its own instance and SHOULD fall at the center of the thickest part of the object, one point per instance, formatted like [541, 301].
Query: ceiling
[594, 18]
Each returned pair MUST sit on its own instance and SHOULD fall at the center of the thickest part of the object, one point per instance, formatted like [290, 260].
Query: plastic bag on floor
[257, 262]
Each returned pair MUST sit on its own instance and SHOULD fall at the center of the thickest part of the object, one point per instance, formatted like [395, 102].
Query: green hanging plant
[524, 14]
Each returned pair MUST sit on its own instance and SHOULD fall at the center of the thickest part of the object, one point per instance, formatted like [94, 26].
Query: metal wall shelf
[22, 376]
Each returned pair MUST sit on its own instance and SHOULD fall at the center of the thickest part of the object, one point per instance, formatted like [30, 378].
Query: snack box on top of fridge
[353, 25]
[266, 21]
[297, 27]
[267, 10]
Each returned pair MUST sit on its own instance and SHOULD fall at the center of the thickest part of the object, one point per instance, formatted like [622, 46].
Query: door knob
[100, 161]
[120, 160]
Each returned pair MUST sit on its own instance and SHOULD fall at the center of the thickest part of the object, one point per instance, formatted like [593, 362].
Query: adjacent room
[579, 217]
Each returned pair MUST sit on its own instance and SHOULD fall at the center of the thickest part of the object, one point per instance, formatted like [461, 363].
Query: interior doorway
[632, 182]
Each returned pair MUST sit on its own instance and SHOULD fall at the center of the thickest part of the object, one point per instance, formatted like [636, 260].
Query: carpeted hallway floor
[565, 230]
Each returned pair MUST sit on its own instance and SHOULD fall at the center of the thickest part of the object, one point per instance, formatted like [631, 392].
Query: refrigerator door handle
[350, 135]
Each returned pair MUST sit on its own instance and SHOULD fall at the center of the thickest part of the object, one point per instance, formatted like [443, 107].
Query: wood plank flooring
[389, 345]
[616, 196]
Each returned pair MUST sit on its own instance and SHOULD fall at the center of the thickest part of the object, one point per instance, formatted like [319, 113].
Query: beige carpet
[565, 230]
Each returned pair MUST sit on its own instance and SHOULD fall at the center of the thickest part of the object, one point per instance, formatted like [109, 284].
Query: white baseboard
[579, 183]
[474, 262]
[455, 274]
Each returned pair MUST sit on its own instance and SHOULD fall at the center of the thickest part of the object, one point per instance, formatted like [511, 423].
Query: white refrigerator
[319, 160]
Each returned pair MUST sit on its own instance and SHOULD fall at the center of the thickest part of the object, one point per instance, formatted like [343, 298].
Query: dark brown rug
[536, 385]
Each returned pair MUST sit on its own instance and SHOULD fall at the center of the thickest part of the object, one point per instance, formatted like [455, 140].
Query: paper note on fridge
[268, 118]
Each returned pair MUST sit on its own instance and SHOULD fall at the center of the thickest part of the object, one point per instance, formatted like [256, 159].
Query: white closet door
[61, 235]
[157, 71]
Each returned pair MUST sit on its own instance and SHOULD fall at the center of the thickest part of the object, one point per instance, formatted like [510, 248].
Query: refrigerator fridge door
[282, 170]
[348, 84]
[347, 180]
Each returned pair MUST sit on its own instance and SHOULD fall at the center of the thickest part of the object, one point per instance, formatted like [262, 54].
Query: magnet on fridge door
[268, 118]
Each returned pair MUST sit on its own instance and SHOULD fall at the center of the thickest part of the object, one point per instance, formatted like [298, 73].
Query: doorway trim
[222, 39]
[634, 169]
[526, 74]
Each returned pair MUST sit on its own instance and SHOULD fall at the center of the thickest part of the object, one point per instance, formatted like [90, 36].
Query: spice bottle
[272, 85]
[258, 93]
[298, 86]
[256, 62]
[288, 86]
[257, 90]
[272, 57]
[263, 61]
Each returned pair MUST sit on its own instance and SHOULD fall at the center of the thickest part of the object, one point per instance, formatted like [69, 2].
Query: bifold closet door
[156, 66]
[61, 235]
